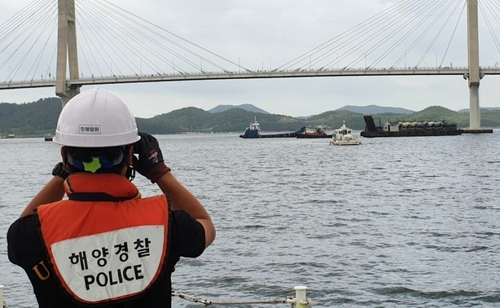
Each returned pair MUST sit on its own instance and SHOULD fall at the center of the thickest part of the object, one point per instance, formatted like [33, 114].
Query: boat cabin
[254, 126]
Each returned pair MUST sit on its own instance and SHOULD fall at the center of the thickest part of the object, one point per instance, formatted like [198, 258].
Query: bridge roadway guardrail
[247, 75]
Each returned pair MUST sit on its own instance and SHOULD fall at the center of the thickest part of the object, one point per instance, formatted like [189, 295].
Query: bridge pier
[475, 113]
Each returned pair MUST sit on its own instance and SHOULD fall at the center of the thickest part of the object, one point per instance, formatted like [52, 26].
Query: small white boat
[344, 136]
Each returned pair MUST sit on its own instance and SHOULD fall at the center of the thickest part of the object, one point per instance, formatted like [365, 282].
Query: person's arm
[183, 199]
[51, 192]
[151, 165]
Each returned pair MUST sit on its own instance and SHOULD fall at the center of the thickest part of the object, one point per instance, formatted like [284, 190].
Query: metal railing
[299, 301]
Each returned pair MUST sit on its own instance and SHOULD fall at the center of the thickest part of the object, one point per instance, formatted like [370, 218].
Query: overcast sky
[263, 34]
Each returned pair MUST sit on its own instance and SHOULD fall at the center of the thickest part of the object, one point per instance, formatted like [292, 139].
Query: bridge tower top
[67, 54]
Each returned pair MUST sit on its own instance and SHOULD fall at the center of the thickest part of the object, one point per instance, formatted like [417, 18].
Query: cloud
[262, 35]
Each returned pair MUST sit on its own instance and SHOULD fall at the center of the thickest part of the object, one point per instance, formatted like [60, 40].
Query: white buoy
[301, 296]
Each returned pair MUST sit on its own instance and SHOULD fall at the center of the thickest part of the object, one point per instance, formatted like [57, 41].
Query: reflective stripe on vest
[106, 251]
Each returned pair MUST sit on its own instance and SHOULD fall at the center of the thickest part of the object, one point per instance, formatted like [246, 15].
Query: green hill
[36, 118]
[40, 118]
[434, 113]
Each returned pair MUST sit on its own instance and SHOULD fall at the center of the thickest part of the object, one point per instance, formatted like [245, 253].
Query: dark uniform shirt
[26, 249]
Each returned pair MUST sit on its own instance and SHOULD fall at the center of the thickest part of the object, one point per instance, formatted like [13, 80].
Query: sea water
[395, 222]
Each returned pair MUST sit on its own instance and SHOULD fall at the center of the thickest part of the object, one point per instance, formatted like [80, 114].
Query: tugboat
[253, 131]
[409, 129]
[314, 132]
[344, 136]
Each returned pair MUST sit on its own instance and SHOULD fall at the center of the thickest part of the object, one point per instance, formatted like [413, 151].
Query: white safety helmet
[95, 119]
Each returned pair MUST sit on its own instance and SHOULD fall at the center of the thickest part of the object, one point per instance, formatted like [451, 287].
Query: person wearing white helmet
[104, 245]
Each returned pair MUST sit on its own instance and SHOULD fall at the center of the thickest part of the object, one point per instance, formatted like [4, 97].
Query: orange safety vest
[104, 251]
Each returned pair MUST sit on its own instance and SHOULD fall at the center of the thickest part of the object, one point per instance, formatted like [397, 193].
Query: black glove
[150, 163]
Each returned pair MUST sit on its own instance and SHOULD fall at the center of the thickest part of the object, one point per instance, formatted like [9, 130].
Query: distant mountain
[466, 110]
[40, 118]
[373, 109]
[247, 107]
[437, 113]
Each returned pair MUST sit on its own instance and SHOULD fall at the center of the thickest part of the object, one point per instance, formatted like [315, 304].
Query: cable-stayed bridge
[67, 44]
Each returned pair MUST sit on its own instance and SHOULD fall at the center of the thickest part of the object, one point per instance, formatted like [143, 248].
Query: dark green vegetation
[40, 118]
[30, 119]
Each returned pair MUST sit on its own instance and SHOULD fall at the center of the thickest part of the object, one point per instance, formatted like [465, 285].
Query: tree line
[40, 119]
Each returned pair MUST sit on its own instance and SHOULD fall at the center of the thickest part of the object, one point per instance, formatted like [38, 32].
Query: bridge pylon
[67, 53]
[474, 74]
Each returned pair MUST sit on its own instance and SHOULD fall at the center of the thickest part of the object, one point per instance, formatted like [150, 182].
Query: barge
[409, 129]
[253, 131]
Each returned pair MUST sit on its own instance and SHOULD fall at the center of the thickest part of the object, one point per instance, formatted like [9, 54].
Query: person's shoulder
[23, 228]
[21, 236]
[29, 223]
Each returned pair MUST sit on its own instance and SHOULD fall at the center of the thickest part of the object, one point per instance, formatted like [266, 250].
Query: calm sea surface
[396, 222]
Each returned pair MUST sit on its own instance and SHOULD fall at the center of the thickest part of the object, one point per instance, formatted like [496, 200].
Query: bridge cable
[493, 11]
[405, 7]
[454, 31]
[392, 34]
[100, 51]
[84, 55]
[139, 42]
[316, 49]
[396, 31]
[103, 38]
[384, 20]
[419, 38]
[177, 36]
[410, 48]
[38, 59]
[144, 35]
[11, 23]
[432, 44]
[490, 28]
[12, 27]
[92, 54]
[116, 34]
[407, 35]
[37, 26]
[159, 56]
[426, 31]
[405, 10]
